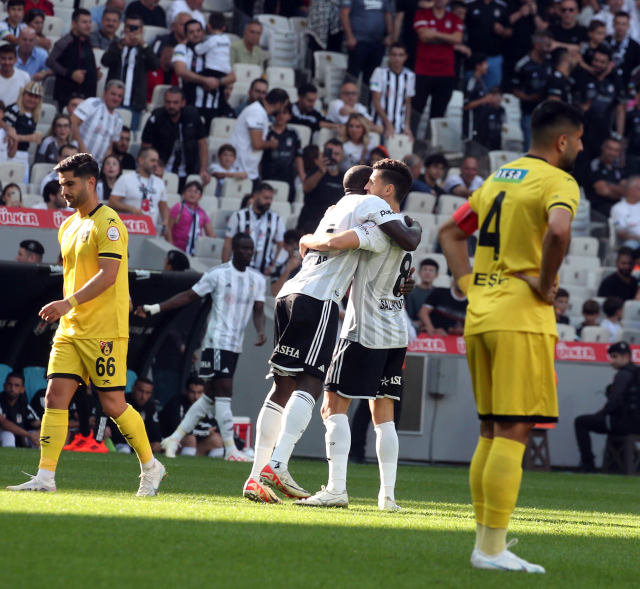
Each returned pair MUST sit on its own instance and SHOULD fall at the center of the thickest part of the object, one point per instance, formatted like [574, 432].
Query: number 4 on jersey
[492, 238]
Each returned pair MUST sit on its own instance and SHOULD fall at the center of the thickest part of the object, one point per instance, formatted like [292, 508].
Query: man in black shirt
[617, 417]
[120, 149]
[525, 21]
[404, 31]
[17, 419]
[597, 33]
[624, 50]
[151, 13]
[567, 32]
[559, 85]
[489, 129]
[177, 133]
[632, 136]
[606, 184]
[285, 162]
[304, 112]
[622, 284]
[530, 79]
[443, 313]
[475, 96]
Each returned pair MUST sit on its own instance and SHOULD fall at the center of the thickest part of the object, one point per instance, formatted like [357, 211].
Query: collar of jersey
[536, 157]
[94, 210]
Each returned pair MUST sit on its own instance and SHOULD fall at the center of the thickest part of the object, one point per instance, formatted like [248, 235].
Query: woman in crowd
[35, 19]
[356, 143]
[187, 220]
[58, 135]
[110, 172]
[11, 196]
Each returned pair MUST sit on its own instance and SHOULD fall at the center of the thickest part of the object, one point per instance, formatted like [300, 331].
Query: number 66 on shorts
[103, 361]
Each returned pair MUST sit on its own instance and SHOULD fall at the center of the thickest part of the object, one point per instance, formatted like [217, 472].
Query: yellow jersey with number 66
[512, 209]
[83, 241]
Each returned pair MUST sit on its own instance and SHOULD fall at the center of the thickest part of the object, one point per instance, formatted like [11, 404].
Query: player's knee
[189, 441]
[333, 404]
[382, 411]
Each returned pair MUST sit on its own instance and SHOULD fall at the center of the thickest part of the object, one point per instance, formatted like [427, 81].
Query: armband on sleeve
[466, 218]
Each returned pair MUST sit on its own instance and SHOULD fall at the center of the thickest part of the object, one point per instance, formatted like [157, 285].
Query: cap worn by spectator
[33, 246]
[619, 348]
[176, 261]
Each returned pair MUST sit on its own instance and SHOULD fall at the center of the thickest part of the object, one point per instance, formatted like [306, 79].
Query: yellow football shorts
[513, 376]
[102, 361]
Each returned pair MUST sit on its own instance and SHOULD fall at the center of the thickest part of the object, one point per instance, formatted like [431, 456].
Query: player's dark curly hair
[356, 178]
[551, 119]
[81, 164]
[398, 174]
[238, 237]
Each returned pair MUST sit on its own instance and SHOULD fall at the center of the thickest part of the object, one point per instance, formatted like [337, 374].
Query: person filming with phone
[323, 183]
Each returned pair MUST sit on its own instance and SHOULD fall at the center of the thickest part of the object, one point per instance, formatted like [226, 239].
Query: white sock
[224, 417]
[338, 440]
[147, 465]
[216, 453]
[187, 451]
[46, 476]
[387, 448]
[267, 431]
[295, 419]
[197, 412]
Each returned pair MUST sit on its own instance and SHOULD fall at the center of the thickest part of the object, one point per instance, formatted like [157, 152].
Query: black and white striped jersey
[394, 90]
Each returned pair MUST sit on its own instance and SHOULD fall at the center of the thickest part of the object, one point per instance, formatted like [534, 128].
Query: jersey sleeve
[232, 225]
[411, 85]
[179, 54]
[376, 210]
[279, 233]
[419, 20]
[206, 285]
[202, 48]
[375, 83]
[562, 191]
[618, 217]
[466, 218]
[118, 130]
[262, 289]
[255, 120]
[371, 238]
[86, 108]
[112, 237]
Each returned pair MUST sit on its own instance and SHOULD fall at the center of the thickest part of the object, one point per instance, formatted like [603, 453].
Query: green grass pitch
[199, 533]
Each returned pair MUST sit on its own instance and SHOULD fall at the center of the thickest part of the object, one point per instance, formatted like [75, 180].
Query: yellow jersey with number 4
[513, 207]
[83, 241]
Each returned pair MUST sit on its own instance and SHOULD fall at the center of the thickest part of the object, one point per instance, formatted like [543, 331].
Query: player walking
[524, 211]
[237, 292]
[306, 323]
[92, 338]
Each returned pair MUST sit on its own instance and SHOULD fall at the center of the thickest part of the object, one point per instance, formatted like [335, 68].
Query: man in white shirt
[251, 129]
[12, 80]
[142, 192]
[191, 7]
[341, 108]
[626, 215]
[95, 124]
[467, 181]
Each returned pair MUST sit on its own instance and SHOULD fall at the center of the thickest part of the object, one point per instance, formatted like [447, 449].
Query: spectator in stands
[434, 168]
[560, 306]
[305, 113]
[427, 273]
[97, 12]
[73, 62]
[626, 215]
[377, 154]
[19, 424]
[12, 79]
[415, 165]
[129, 60]
[10, 27]
[53, 199]
[152, 14]
[142, 193]
[59, 134]
[176, 262]
[590, 316]
[191, 7]
[488, 26]
[341, 108]
[621, 284]
[524, 21]
[264, 226]
[141, 399]
[109, 173]
[177, 133]
[65, 152]
[324, 27]
[120, 149]
[249, 135]
[438, 32]
[205, 440]
[44, 5]
[30, 252]
[288, 262]
[106, 34]
[368, 29]
[8, 146]
[444, 311]
[612, 309]
[356, 142]
[247, 50]
[75, 100]
[35, 19]
[31, 59]
[625, 50]
[257, 91]
[632, 137]
[597, 33]
[177, 34]
[322, 185]
[616, 417]
[467, 181]
[188, 220]
[165, 74]
[606, 184]
[567, 32]
[226, 167]
[23, 117]
[284, 163]
[530, 79]
[11, 195]
[403, 28]
[96, 124]
[560, 85]
[490, 126]
[475, 96]
[608, 14]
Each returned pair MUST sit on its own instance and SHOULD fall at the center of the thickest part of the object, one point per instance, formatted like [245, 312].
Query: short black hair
[195, 183]
[430, 262]
[179, 261]
[603, 50]
[227, 147]
[143, 380]
[436, 159]
[8, 48]
[590, 307]
[622, 14]
[277, 95]
[396, 173]
[133, 17]
[50, 189]
[195, 380]
[292, 235]
[551, 118]
[75, 95]
[125, 129]
[356, 178]
[15, 374]
[612, 305]
[116, 11]
[262, 186]
[191, 22]
[562, 293]
[75, 17]
[476, 59]
[595, 24]
[238, 237]
[558, 56]
[258, 81]
[625, 251]
[457, 4]
[81, 164]
[399, 45]
[16, 3]
[333, 141]
[67, 146]
[217, 21]
[306, 89]
[175, 89]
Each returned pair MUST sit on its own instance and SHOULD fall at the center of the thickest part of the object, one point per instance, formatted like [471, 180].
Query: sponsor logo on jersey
[386, 212]
[112, 233]
[484, 279]
[85, 236]
[287, 351]
[512, 175]
[391, 305]
[106, 348]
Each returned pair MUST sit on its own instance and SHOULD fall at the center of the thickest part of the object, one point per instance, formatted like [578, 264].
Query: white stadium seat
[399, 146]
[303, 132]
[584, 246]
[171, 182]
[157, 97]
[501, 158]
[448, 204]
[53, 26]
[631, 315]
[566, 333]
[38, 172]
[126, 116]
[420, 202]
[150, 33]
[575, 306]
[220, 218]
[323, 59]
[574, 276]
[280, 190]
[282, 208]
[237, 188]
[592, 334]
[209, 247]
[222, 127]
[230, 204]
[11, 172]
[278, 77]
[446, 136]
[631, 336]
[247, 73]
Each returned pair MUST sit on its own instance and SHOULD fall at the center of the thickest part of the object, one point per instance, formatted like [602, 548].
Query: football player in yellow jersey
[524, 211]
[92, 338]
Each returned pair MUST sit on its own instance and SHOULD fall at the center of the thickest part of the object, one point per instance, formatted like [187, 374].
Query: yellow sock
[476, 469]
[53, 434]
[132, 428]
[500, 485]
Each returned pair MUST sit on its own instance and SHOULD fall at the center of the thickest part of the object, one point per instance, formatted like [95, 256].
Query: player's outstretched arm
[406, 235]
[347, 240]
[453, 240]
[175, 302]
[259, 322]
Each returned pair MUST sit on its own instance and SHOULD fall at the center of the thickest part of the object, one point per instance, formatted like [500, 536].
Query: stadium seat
[209, 247]
[631, 315]
[427, 220]
[237, 188]
[126, 116]
[442, 280]
[88, 4]
[53, 26]
[173, 200]
[512, 136]
[47, 114]
[604, 272]
[150, 33]
[512, 105]
[296, 208]
[229, 203]
[454, 108]
[420, 202]
[38, 172]
[447, 204]
[97, 54]
[322, 136]
[399, 146]
[582, 292]
[171, 182]
[575, 306]
[334, 77]
[584, 246]
[303, 132]
[278, 77]
[446, 137]
[280, 190]
[157, 97]
[238, 93]
[374, 140]
[144, 117]
[292, 222]
[501, 158]
[11, 172]
[217, 5]
[566, 333]
[592, 334]
[292, 91]
[282, 208]
[219, 220]
[322, 59]
[582, 262]
[574, 276]
[35, 379]
[209, 203]
[282, 45]
[247, 73]
[631, 336]
[271, 21]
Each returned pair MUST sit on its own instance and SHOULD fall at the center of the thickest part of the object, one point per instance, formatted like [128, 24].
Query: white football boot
[325, 498]
[388, 504]
[277, 476]
[504, 561]
[236, 455]
[34, 484]
[150, 480]
[256, 491]
[170, 447]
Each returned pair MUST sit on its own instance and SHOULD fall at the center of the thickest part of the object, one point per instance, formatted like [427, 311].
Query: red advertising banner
[565, 351]
[47, 219]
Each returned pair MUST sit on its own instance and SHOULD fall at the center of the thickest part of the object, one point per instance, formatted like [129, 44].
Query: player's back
[513, 209]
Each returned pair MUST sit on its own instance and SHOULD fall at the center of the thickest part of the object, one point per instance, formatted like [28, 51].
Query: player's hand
[205, 176]
[35, 439]
[302, 247]
[534, 282]
[156, 448]
[408, 284]
[140, 312]
[211, 84]
[78, 76]
[262, 338]
[269, 271]
[53, 311]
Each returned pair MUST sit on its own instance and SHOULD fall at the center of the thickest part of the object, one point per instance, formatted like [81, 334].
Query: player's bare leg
[387, 449]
